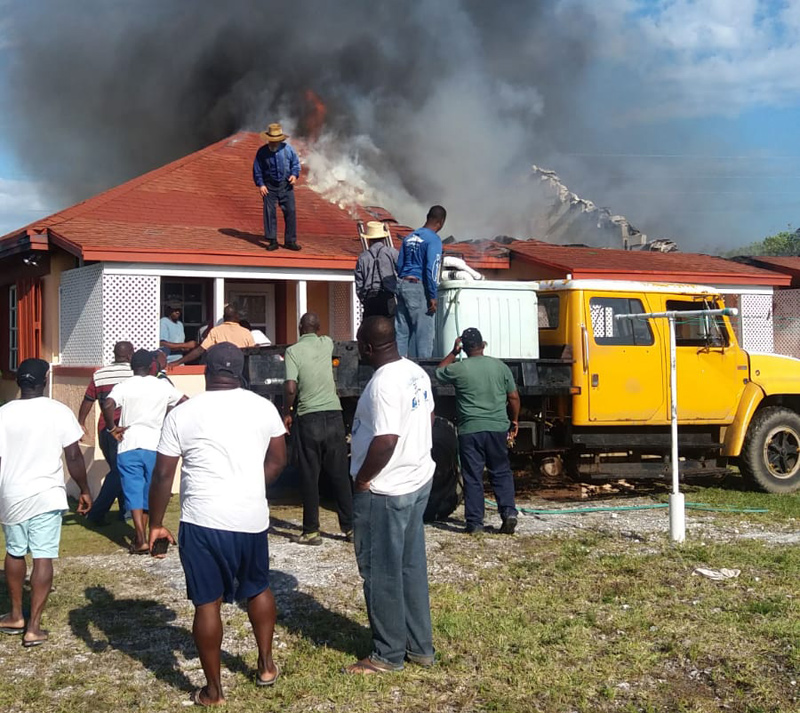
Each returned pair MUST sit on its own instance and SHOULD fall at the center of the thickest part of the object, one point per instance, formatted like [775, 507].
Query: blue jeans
[489, 449]
[111, 489]
[282, 196]
[390, 551]
[414, 326]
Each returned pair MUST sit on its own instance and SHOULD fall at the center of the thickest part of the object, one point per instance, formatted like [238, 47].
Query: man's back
[144, 401]
[223, 437]
[33, 435]
[105, 379]
[419, 257]
[309, 363]
[482, 386]
[232, 332]
[376, 270]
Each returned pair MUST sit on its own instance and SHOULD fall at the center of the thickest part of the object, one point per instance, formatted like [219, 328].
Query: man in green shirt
[487, 401]
[310, 393]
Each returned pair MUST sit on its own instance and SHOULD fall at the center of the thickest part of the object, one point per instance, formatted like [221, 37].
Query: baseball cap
[471, 338]
[224, 359]
[141, 359]
[32, 372]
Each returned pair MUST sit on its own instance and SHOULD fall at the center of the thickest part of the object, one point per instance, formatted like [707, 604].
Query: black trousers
[321, 448]
[283, 197]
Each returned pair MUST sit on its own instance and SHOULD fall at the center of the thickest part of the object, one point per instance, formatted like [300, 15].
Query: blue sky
[692, 115]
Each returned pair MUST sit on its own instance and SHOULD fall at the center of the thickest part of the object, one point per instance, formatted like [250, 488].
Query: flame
[313, 118]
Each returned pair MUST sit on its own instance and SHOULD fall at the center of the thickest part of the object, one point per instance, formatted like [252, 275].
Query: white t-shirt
[144, 401]
[33, 435]
[223, 437]
[397, 400]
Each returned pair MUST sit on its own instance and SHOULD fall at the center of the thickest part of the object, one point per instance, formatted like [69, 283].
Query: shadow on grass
[304, 616]
[141, 629]
[119, 531]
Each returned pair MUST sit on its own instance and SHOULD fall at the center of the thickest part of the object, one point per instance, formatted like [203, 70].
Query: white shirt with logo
[144, 401]
[398, 400]
[223, 437]
[33, 435]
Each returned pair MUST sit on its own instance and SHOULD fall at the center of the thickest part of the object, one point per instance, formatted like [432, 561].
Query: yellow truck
[596, 401]
[733, 406]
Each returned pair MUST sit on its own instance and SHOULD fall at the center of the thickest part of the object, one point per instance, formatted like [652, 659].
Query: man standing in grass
[393, 470]
[233, 445]
[319, 427]
[488, 414]
[144, 401]
[34, 432]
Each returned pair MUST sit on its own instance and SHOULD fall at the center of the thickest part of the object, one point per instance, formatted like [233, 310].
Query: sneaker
[348, 536]
[273, 245]
[509, 525]
[474, 530]
[308, 538]
[292, 246]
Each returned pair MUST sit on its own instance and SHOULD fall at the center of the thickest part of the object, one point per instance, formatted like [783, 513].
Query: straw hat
[374, 229]
[274, 134]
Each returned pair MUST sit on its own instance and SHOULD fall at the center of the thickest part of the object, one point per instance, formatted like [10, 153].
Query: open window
[608, 330]
[698, 330]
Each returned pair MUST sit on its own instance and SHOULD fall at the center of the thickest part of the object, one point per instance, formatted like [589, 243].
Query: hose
[619, 508]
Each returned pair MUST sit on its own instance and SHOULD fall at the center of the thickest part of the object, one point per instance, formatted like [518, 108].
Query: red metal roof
[601, 263]
[204, 209]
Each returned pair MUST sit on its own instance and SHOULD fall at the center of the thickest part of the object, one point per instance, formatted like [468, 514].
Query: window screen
[548, 311]
[698, 330]
[624, 332]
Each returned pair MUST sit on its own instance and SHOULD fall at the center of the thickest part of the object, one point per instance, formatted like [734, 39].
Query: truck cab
[731, 404]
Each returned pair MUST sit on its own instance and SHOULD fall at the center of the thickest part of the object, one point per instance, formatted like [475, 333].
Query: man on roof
[276, 169]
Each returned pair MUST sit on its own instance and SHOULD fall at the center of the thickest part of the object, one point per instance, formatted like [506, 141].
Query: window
[548, 311]
[621, 332]
[698, 330]
[13, 329]
[190, 293]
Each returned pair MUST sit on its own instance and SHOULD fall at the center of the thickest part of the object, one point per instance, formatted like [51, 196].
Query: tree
[783, 244]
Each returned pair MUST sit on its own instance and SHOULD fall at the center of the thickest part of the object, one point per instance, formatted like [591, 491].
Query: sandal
[269, 681]
[198, 701]
[10, 629]
[368, 666]
[132, 550]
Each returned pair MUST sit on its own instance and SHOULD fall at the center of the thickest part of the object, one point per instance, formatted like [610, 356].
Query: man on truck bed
[417, 285]
[486, 396]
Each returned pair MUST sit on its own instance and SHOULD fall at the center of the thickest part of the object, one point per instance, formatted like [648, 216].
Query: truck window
[620, 332]
[698, 331]
[548, 311]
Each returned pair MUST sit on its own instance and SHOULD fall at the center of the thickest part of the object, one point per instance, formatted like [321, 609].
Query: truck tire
[770, 458]
[446, 491]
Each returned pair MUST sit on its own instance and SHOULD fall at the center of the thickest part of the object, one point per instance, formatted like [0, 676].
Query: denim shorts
[39, 535]
[220, 563]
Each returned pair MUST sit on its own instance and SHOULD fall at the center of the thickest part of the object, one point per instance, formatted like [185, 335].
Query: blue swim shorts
[136, 471]
[39, 535]
[220, 563]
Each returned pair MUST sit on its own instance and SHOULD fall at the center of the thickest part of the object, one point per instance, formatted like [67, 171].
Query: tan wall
[318, 301]
[59, 262]
[8, 390]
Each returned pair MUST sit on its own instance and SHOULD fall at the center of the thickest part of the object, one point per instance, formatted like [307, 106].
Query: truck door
[625, 361]
[711, 368]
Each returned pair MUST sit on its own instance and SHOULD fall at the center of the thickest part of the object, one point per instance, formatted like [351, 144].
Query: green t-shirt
[482, 384]
[309, 364]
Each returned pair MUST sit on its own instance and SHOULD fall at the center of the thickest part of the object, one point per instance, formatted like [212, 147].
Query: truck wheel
[446, 491]
[770, 457]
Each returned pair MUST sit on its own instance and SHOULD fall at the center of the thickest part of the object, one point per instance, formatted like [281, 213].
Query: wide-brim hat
[274, 134]
[374, 229]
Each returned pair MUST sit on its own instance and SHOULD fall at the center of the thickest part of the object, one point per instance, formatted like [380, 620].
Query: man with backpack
[376, 274]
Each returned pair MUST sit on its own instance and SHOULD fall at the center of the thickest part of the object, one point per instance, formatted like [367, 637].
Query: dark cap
[32, 372]
[471, 339]
[224, 359]
[141, 359]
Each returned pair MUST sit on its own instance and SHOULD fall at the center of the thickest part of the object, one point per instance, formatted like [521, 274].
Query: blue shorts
[39, 535]
[219, 563]
[135, 471]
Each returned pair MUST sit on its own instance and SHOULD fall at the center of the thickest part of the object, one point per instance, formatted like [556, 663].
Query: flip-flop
[269, 682]
[11, 629]
[367, 666]
[195, 698]
[133, 551]
[31, 643]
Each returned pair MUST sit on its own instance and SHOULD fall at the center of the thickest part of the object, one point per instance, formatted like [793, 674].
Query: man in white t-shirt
[233, 445]
[144, 401]
[34, 432]
[392, 467]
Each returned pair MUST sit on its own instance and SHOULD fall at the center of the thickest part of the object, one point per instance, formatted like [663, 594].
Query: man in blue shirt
[172, 334]
[275, 171]
[417, 285]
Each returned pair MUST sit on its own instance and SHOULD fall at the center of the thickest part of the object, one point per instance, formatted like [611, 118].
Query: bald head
[309, 323]
[376, 341]
[230, 313]
[123, 351]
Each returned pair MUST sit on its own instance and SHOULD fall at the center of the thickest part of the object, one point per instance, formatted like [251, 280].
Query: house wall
[80, 308]
[319, 302]
[51, 284]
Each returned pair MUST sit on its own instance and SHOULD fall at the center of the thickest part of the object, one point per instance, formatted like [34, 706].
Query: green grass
[569, 622]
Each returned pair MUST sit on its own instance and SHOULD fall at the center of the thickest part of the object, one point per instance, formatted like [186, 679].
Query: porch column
[219, 298]
[302, 300]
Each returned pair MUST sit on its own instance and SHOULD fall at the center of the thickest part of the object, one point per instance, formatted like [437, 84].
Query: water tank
[506, 313]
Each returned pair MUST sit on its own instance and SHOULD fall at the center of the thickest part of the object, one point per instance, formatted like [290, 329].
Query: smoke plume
[423, 101]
